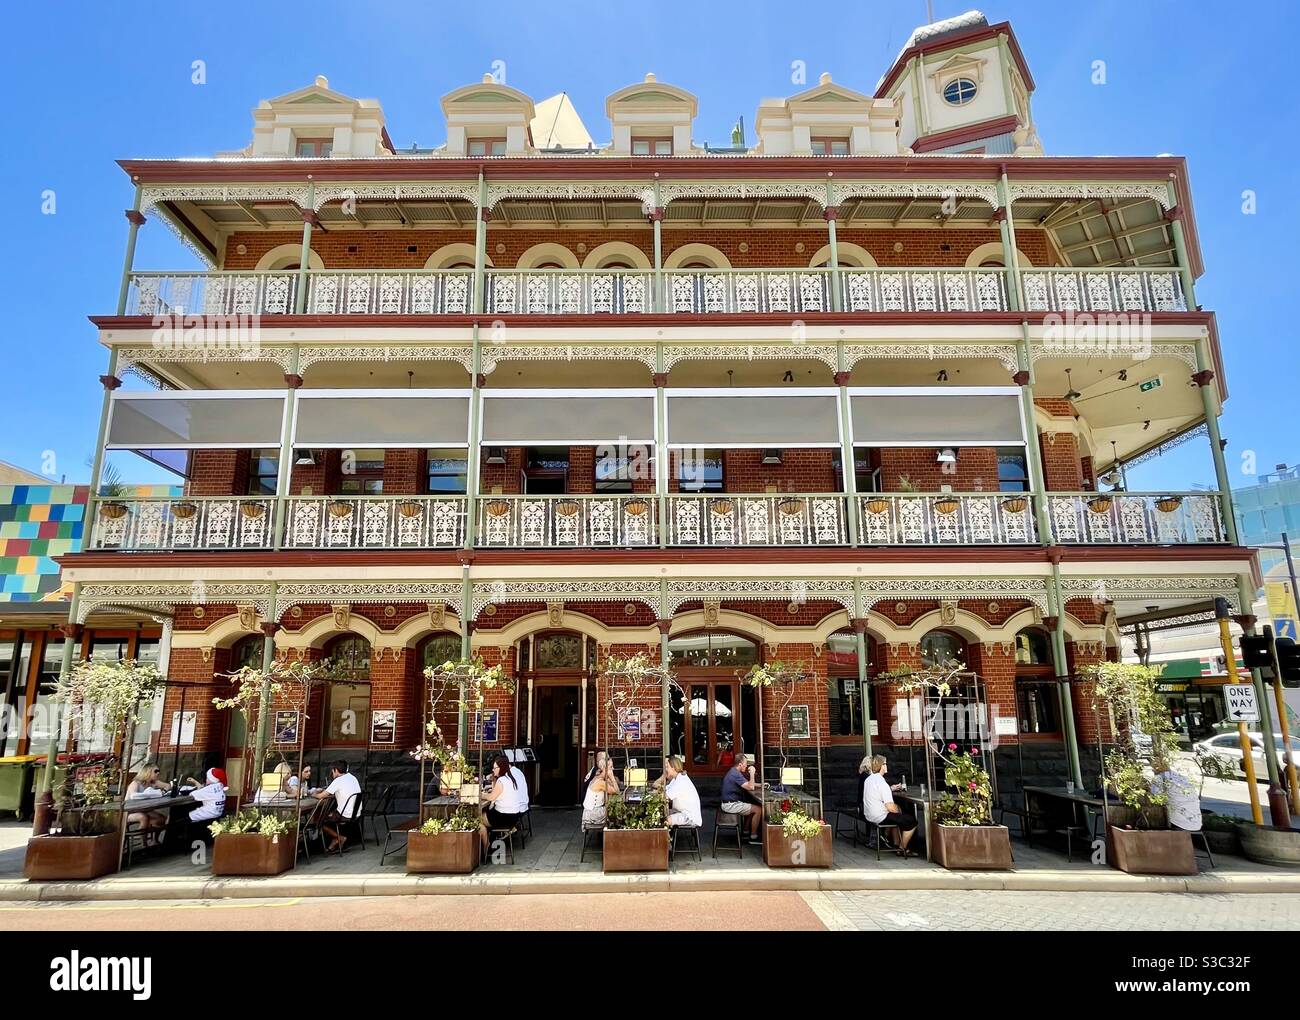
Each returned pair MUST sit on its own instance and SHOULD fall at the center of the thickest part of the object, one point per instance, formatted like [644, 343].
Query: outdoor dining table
[143, 804]
[443, 806]
[920, 803]
[1079, 802]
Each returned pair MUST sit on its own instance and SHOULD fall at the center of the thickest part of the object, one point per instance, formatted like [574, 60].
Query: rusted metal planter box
[1152, 851]
[972, 847]
[250, 853]
[55, 858]
[443, 853]
[635, 850]
[779, 851]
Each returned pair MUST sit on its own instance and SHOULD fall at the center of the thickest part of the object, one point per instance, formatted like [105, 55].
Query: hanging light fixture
[946, 456]
[1070, 392]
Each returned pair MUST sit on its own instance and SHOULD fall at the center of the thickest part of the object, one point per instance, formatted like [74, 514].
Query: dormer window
[959, 92]
[486, 146]
[652, 146]
[314, 148]
[830, 146]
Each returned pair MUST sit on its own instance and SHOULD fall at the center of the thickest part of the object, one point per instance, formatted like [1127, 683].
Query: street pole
[1282, 723]
[1290, 569]
[1247, 757]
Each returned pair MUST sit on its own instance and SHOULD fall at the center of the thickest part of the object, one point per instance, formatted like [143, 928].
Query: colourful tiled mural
[38, 523]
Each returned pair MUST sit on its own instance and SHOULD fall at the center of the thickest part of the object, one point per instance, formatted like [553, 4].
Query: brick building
[848, 397]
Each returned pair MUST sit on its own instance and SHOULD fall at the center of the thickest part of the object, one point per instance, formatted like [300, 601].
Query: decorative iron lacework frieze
[1157, 192]
[815, 190]
[132, 357]
[1185, 353]
[1170, 623]
[165, 595]
[493, 353]
[1178, 440]
[490, 592]
[1031, 589]
[559, 189]
[1004, 353]
[357, 592]
[326, 193]
[986, 192]
[1137, 589]
[463, 355]
[673, 353]
[792, 590]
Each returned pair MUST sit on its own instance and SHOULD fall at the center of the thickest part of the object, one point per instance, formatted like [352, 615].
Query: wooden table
[1080, 803]
[921, 808]
[443, 806]
[145, 804]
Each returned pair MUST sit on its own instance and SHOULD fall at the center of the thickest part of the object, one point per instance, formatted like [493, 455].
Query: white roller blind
[393, 420]
[753, 420]
[569, 419]
[187, 421]
[959, 419]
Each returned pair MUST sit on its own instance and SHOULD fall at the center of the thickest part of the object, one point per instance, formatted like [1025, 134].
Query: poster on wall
[286, 727]
[631, 724]
[485, 726]
[797, 727]
[383, 726]
[183, 728]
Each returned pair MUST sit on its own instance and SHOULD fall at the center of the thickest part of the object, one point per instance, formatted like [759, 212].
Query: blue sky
[92, 83]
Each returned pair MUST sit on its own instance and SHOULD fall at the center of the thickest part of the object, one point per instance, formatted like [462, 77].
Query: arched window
[712, 715]
[247, 651]
[557, 650]
[439, 648]
[845, 693]
[706, 648]
[940, 647]
[1038, 699]
[347, 714]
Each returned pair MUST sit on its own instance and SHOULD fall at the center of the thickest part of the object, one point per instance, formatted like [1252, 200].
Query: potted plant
[498, 507]
[184, 510]
[445, 846]
[791, 506]
[567, 507]
[947, 505]
[1100, 504]
[111, 490]
[252, 508]
[409, 508]
[253, 843]
[1015, 504]
[340, 508]
[1168, 504]
[721, 506]
[108, 698]
[636, 506]
[1139, 839]
[877, 504]
[962, 833]
[636, 833]
[468, 681]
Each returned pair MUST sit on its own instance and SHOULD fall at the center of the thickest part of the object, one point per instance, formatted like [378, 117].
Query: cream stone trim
[697, 252]
[547, 251]
[223, 633]
[284, 253]
[976, 257]
[317, 632]
[579, 623]
[850, 255]
[598, 255]
[449, 254]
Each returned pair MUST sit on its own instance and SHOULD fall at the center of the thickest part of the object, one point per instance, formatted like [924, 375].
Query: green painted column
[1204, 379]
[481, 217]
[859, 623]
[473, 454]
[136, 221]
[293, 381]
[1061, 663]
[466, 653]
[309, 219]
[848, 464]
[110, 382]
[1175, 217]
[664, 624]
[44, 814]
[657, 302]
[833, 262]
[1010, 254]
[662, 457]
[1265, 727]
[264, 695]
[1033, 454]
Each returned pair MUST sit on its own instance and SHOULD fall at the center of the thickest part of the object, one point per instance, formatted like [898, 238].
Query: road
[755, 911]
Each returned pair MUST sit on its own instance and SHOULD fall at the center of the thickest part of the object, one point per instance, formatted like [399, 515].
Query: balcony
[714, 521]
[633, 291]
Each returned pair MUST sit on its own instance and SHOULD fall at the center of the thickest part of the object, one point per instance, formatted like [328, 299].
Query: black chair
[400, 831]
[856, 821]
[599, 832]
[876, 838]
[504, 834]
[1199, 835]
[379, 811]
[525, 827]
[353, 818]
[309, 823]
[1021, 815]
[736, 823]
[693, 841]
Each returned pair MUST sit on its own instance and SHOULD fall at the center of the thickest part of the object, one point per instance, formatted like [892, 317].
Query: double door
[711, 722]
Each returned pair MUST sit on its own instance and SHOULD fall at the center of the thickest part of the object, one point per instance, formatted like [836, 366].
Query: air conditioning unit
[771, 458]
[495, 455]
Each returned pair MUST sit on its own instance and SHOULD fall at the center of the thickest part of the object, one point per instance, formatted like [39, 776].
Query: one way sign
[1241, 702]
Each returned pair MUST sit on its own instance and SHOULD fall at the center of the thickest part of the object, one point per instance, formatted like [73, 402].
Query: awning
[187, 420]
[937, 419]
[393, 419]
[719, 418]
[511, 419]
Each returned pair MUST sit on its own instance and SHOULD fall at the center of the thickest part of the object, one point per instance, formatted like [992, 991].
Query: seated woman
[878, 804]
[148, 784]
[596, 769]
[289, 788]
[683, 798]
[505, 802]
[601, 786]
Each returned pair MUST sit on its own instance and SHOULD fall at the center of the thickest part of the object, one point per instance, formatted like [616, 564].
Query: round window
[959, 91]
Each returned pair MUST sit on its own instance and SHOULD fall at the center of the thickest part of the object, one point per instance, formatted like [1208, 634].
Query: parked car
[1228, 746]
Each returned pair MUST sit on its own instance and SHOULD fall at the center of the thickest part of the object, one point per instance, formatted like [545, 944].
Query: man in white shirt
[346, 791]
[878, 805]
[1182, 800]
[683, 798]
[210, 796]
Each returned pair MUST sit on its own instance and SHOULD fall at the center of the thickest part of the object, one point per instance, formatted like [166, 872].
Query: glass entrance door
[711, 724]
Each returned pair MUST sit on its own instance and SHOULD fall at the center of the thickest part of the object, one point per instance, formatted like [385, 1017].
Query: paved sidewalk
[550, 864]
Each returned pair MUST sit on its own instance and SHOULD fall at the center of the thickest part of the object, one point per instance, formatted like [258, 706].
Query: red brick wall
[976, 469]
[404, 472]
[186, 666]
[997, 668]
[396, 684]
[322, 478]
[218, 472]
[1062, 468]
[799, 471]
[1087, 722]
[775, 247]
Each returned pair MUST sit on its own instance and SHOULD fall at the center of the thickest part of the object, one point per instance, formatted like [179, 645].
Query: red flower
[972, 785]
[785, 805]
[952, 747]
[975, 751]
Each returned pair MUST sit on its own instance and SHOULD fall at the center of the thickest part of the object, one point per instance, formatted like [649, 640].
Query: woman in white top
[148, 784]
[505, 802]
[878, 804]
[601, 786]
[289, 787]
[683, 798]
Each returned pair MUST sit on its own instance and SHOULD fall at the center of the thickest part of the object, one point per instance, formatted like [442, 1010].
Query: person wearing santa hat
[210, 796]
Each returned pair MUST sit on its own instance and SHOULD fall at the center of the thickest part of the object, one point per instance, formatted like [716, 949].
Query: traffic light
[1288, 661]
[1255, 652]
